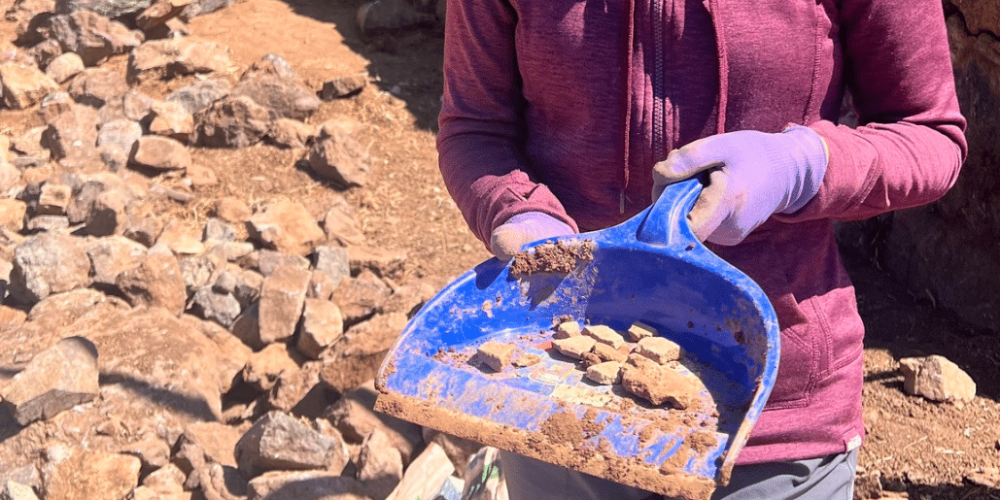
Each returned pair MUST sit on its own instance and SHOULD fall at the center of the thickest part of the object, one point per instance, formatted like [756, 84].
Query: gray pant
[826, 478]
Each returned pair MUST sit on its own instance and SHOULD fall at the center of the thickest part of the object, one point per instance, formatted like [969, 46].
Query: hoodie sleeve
[910, 144]
[480, 124]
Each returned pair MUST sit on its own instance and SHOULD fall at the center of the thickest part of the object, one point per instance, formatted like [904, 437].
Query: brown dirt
[558, 257]
[928, 450]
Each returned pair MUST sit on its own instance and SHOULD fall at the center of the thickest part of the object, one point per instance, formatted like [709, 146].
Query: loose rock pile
[149, 359]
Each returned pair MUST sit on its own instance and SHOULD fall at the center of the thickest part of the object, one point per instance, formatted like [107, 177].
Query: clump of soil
[557, 257]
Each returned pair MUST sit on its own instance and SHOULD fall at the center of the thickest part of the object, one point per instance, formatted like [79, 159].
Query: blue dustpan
[649, 269]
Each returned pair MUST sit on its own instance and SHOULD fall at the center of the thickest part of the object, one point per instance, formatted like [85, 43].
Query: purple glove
[508, 238]
[752, 175]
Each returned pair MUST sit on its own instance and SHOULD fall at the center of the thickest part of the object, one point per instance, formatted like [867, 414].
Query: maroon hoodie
[563, 107]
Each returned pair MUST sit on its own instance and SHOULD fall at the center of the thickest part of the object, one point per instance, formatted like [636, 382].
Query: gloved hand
[752, 175]
[508, 238]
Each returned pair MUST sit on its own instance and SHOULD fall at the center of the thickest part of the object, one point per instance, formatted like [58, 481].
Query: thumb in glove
[508, 238]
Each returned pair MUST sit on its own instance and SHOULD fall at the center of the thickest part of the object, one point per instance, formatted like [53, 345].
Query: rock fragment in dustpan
[657, 383]
[608, 353]
[658, 349]
[639, 331]
[607, 373]
[574, 347]
[567, 329]
[526, 359]
[496, 355]
[604, 334]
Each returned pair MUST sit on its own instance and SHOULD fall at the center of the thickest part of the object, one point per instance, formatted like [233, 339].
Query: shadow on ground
[911, 325]
[405, 63]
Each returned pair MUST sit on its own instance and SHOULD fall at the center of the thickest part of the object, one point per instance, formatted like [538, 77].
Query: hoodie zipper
[658, 80]
[626, 70]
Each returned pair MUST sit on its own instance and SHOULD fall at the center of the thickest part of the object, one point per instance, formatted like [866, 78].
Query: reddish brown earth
[928, 450]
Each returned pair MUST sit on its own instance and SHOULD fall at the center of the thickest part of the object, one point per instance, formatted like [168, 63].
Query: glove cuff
[810, 158]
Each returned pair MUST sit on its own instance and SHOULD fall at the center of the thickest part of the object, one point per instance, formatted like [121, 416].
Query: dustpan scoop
[649, 269]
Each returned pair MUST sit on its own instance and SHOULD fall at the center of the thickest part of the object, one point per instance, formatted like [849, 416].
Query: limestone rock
[12, 214]
[161, 154]
[604, 334]
[342, 228]
[332, 262]
[657, 384]
[284, 97]
[92, 36]
[232, 210]
[11, 490]
[574, 347]
[117, 141]
[158, 13]
[286, 226]
[409, 298]
[380, 465]
[23, 86]
[604, 352]
[313, 485]
[166, 58]
[639, 331]
[200, 94]
[222, 308]
[282, 298]
[91, 476]
[385, 263]
[936, 378]
[96, 87]
[336, 155]
[263, 368]
[72, 138]
[289, 133]
[156, 282]
[322, 325]
[355, 357]
[54, 199]
[107, 214]
[64, 67]
[606, 373]
[48, 263]
[269, 261]
[658, 349]
[354, 416]
[107, 8]
[567, 329]
[280, 442]
[361, 297]
[428, 475]
[231, 122]
[343, 86]
[299, 392]
[55, 380]
[113, 255]
[496, 355]
[171, 119]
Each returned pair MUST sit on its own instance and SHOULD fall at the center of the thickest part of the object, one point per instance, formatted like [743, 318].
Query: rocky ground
[214, 220]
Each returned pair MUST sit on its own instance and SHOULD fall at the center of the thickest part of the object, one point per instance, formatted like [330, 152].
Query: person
[560, 116]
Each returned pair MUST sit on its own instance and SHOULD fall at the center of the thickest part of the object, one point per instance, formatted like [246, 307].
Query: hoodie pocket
[804, 343]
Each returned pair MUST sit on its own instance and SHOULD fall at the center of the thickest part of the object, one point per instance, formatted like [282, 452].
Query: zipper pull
[621, 202]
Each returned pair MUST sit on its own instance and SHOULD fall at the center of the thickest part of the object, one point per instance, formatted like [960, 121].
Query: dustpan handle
[666, 222]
